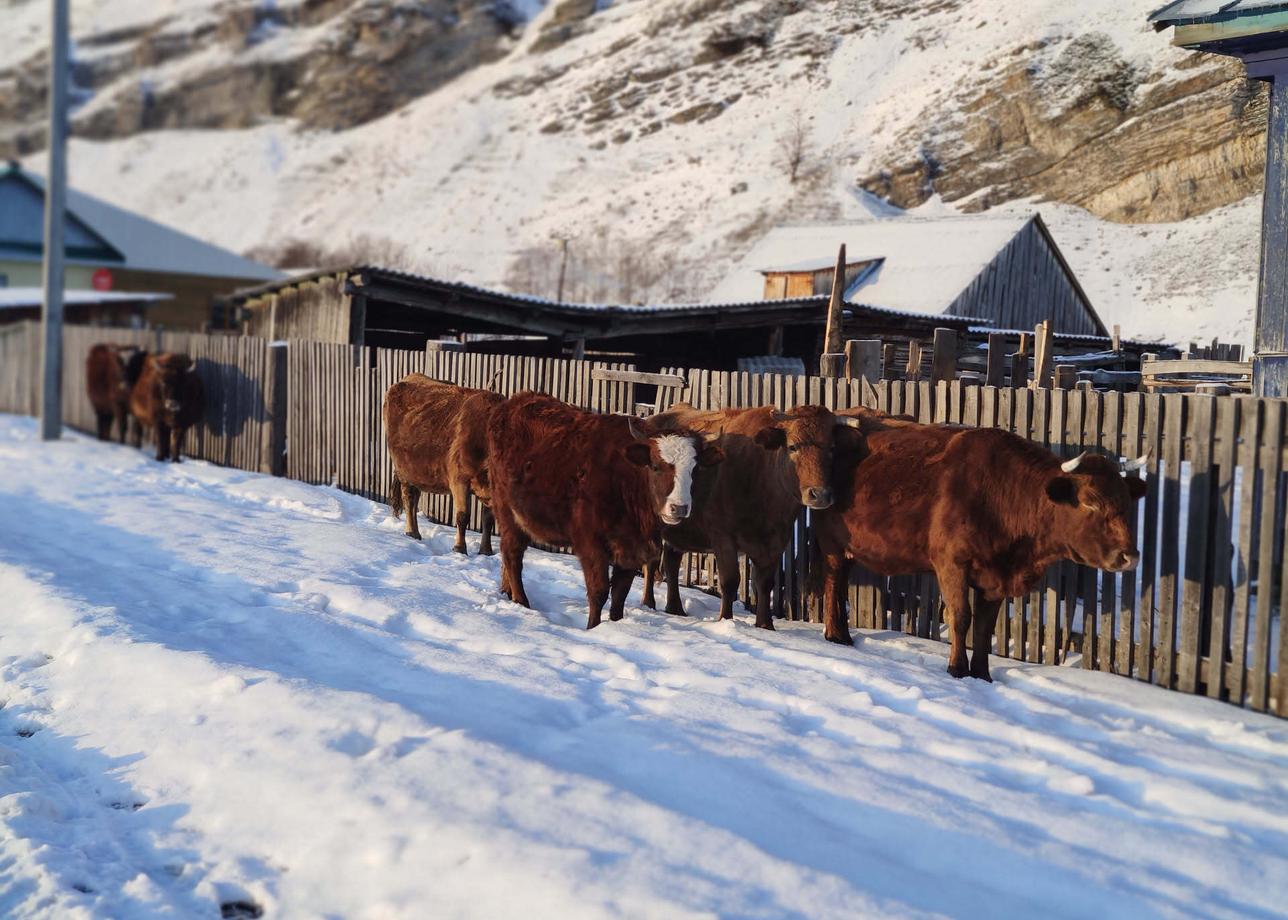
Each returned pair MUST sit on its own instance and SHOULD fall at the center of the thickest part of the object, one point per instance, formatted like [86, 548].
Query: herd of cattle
[161, 393]
[981, 508]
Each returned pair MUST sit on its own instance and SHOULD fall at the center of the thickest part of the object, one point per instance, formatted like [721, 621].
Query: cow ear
[1135, 488]
[639, 453]
[772, 438]
[710, 455]
[1062, 490]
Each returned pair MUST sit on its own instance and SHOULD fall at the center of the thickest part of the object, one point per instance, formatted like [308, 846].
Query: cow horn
[1070, 466]
[781, 416]
[848, 422]
[1131, 466]
[636, 433]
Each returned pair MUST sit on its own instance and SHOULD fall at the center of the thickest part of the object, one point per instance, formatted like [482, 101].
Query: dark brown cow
[775, 462]
[110, 373]
[981, 508]
[599, 483]
[437, 435]
[168, 399]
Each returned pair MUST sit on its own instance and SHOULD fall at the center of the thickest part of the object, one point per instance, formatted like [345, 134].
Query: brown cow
[168, 398]
[775, 462]
[981, 508]
[437, 435]
[110, 372]
[598, 483]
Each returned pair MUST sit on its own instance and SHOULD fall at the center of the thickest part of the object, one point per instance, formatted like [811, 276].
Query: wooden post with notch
[913, 370]
[863, 359]
[888, 369]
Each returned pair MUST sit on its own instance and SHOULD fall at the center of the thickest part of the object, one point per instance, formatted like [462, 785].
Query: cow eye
[792, 448]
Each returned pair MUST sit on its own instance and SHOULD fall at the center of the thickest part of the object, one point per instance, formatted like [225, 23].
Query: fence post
[832, 365]
[1066, 376]
[943, 364]
[863, 359]
[888, 370]
[276, 401]
[1042, 357]
[995, 375]
[913, 371]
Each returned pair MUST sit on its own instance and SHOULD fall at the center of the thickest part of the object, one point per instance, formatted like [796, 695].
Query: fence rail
[1201, 614]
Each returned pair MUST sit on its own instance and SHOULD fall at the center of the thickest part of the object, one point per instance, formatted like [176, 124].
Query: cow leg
[461, 505]
[671, 565]
[176, 444]
[123, 425]
[648, 597]
[513, 544]
[411, 506]
[489, 524]
[764, 585]
[836, 579]
[138, 433]
[594, 566]
[163, 441]
[985, 621]
[104, 427]
[619, 586]
[956, 594]
[727, 572]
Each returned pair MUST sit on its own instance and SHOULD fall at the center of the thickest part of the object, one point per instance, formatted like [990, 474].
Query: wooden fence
[1201, 614]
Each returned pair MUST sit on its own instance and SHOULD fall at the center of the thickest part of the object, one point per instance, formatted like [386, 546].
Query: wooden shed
[1004, 270]
[367, 305]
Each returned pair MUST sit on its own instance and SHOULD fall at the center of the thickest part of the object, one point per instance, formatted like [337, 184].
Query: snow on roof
[149, 246]
[809, 265]
[926, 262]
[20, 298]
[1195, 10]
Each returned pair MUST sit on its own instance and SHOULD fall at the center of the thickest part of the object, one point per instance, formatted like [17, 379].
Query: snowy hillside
[652, 133]
[222, 689]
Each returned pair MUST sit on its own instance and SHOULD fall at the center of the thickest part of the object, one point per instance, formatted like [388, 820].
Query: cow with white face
[602, 484]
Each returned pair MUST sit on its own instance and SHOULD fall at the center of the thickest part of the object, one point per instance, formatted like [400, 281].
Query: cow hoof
[486, 551]
[591, 624]
[676, 613]
[413, 536]
[958, 673]
[984, 677]
[460, 549]
[768, 624]
[839, 638]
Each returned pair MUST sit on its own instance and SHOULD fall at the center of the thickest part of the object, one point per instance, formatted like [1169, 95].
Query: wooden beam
[832, 339]
[832, 365]
[863, 359]
[995, 375]
[944, 361]
[658, 380]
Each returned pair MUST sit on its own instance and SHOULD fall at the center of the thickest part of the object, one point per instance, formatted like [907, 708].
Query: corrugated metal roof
[25, 298]
[1183, 11]
[147, 245]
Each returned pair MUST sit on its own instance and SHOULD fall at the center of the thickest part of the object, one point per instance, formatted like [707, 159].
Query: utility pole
[563, 268]
[51, 355]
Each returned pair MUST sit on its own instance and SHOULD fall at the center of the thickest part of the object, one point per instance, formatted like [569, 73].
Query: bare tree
[793, 146]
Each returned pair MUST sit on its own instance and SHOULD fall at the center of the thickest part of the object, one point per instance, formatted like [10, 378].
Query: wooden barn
[368, 305]
[1004, 271]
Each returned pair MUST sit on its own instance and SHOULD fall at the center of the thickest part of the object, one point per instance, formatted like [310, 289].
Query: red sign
[102, 280]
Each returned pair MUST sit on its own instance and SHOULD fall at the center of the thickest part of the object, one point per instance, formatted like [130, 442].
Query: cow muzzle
[816, 497]
[674, 513]
[1122, 561]
[172, 405]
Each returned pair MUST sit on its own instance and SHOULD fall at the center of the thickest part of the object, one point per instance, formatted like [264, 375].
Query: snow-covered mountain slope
[663, 136]
[226, 689]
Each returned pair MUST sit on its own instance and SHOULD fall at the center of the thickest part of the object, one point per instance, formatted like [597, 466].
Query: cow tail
[396, 496]
[814, 575]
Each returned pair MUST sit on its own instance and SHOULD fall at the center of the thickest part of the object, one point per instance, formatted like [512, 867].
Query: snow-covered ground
[220, 687]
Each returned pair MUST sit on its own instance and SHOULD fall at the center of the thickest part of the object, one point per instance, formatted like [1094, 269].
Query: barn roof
[925, 262]
[102, 233]
[551, 317]
[1185, 11]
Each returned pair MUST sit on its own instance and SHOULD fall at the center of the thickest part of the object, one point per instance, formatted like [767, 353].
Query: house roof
[925, 262]
[808, 265]
[123, 238]
[1226, 26]
[25, 298]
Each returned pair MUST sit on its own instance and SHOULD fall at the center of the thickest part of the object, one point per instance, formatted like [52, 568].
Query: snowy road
[220, 687]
